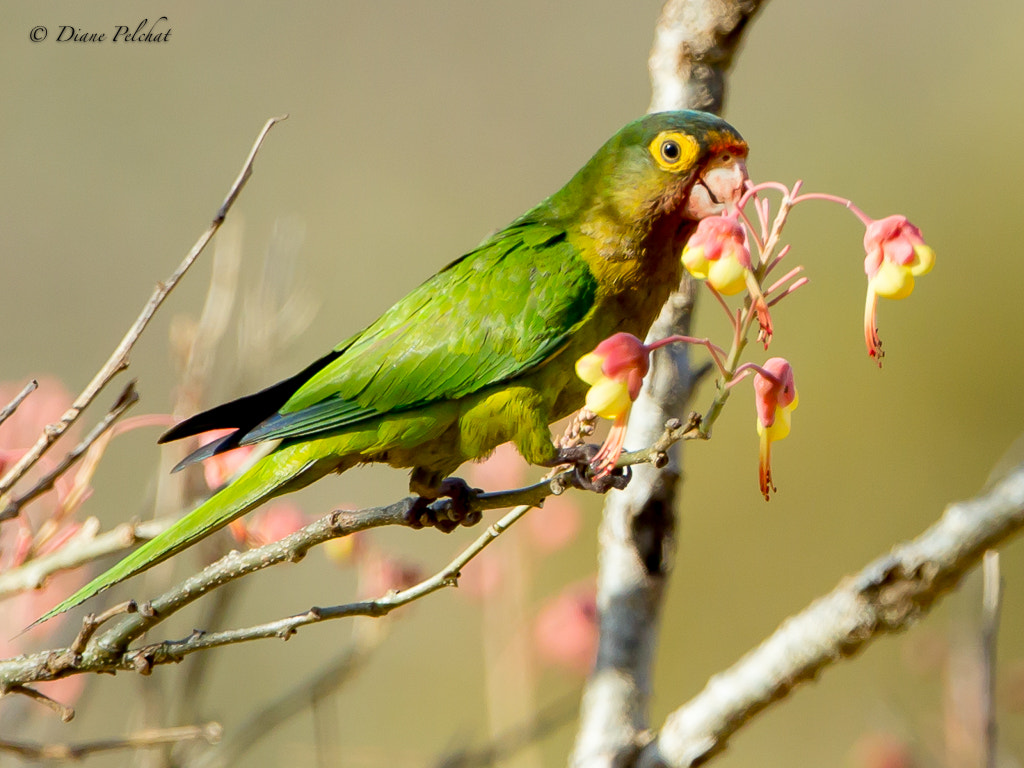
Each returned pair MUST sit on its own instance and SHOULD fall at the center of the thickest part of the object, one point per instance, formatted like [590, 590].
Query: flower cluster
[720, 253]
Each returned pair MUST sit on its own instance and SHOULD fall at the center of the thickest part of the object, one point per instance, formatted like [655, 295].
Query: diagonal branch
[9, 409]
[128, 397]
[84, 547]
[109, 651]
[118, 360]
[885, 597]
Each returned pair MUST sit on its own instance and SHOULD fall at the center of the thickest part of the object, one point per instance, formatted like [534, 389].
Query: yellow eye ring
[674, 151]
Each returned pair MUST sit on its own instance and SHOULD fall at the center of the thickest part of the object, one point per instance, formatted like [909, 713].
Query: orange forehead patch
[719, 141]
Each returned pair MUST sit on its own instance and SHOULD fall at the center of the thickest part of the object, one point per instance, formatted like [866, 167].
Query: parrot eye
[674, 151]
[670, 151]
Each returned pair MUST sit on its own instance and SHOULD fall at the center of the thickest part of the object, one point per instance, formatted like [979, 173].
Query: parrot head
[686, 164]
[655, 178]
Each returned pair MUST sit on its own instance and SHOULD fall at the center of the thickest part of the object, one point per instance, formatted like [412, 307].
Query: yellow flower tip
[727, 275]
[589, 366]
[924, 260]
[893, 281]
[609, 398]
[695, 261]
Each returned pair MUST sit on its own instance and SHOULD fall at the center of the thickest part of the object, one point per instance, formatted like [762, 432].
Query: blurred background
[414, 131]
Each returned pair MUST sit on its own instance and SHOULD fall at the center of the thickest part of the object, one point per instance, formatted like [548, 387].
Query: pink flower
[775, 397]
[896, 254]
[615, 370]
[718, 252]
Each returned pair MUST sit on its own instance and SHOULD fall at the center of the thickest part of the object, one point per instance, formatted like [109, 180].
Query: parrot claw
[426, 511]
[581, 458]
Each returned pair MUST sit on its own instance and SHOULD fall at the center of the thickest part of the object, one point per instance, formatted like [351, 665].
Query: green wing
[494, 314]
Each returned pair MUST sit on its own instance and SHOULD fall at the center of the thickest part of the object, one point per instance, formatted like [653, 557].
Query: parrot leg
[428, 487]
[581, 457]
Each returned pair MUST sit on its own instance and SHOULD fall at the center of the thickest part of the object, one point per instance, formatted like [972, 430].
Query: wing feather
[495, 314]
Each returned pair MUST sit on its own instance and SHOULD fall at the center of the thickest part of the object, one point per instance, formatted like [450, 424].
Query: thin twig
[65, 713]
[210, 733]
[84, 547]
[11, 407]
[118, 360]
[514, 739]
[128, 397]
[109, 651]
[287, 704]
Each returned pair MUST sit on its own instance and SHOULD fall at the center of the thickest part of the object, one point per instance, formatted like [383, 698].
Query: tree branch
[211, 733]
[11, 407]
[85, 547]
[118, 360]
[128, 397]
[885, 597]
[109, 651]
[693, 47]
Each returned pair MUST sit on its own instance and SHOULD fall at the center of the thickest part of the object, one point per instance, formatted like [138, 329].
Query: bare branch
[83, 548]
[325, 680]
[118, 360]
[885, 597]
[12, 406]
[210, 733]
[128, 397]
[694, 43]
[66, 714]
[109, 651]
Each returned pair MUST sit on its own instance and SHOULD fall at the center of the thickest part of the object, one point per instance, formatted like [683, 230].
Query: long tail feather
[287, 469]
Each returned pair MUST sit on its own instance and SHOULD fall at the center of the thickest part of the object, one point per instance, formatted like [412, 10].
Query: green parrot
[482, 352]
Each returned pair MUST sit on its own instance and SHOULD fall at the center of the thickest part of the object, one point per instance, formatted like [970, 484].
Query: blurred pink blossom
[217, 470]
[483, 575]
[881, 750]
[504, 469]
[566, 631]
[269, 524]
[554, 525]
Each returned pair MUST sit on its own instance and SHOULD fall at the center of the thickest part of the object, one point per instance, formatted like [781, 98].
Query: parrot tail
[287, 469]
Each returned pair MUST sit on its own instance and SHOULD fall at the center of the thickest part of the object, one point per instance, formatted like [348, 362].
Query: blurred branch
[85, 547]
[694, 43]
[991, 606]
[211, 733]
[12, 406]
[514, 739]
[887, 596]
[118, 361]
[306, 692]
[128, 397]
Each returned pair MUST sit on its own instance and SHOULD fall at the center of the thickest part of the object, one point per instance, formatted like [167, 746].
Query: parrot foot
[446, 518]
[581, 458]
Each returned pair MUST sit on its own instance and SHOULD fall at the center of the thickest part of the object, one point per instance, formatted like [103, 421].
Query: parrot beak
[717, 189]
